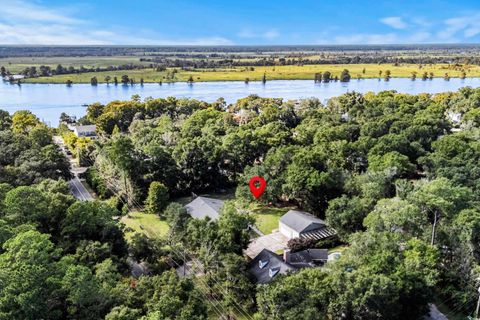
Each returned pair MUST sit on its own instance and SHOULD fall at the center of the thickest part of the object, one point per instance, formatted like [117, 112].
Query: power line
[137, 206]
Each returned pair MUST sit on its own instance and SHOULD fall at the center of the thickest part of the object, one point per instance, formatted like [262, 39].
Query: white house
[301, 224]
[85, 131]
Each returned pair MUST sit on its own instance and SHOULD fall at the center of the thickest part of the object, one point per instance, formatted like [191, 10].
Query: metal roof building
[203, 207]
[301, 224]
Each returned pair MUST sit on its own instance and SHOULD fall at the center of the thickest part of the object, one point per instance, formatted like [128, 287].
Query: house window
[273, 271]
[262, 263]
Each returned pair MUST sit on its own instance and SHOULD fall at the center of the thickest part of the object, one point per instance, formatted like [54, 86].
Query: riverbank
[292, 72]
[48, 101]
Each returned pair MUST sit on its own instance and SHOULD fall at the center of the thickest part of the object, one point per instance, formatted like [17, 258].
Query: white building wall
[287, 231]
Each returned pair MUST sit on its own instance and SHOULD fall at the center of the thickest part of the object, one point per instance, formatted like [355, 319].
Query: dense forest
[300, 60]
[396, 175]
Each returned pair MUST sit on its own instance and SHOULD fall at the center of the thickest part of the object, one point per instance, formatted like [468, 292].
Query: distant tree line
[47, 71]
[196, 63]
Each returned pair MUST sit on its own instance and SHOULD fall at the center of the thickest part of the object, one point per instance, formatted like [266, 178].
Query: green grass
[17, 64]
[267, 218]
[272, 73]
[148, 224]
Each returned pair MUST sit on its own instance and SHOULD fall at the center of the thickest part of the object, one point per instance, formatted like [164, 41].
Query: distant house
[203, 207]
[267, 264]
[138, 269]
[13, 77]
[85, 130]
[455, 117]
[301, 224]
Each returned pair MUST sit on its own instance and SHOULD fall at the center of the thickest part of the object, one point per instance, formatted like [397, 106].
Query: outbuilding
[301, 224]
[203, 207]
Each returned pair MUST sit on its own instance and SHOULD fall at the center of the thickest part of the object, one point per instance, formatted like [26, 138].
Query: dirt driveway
[274, 241]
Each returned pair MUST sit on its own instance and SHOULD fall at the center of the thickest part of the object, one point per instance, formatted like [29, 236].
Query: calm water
[47, 101]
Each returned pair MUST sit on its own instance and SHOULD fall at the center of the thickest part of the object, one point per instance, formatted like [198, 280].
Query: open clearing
[148, 224]
[266, 219]
[293, 72]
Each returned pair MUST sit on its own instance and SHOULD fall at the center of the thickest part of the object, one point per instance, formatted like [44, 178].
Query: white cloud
[248, 33]
[31, 22]
[394, 22]
[456, 29]
[52, 34]
[19, 10]
[422, 22]
[24, 22]
[466, 25]
[472, 31]
[66, 35]
[382, 38]
[420, 37]
[363, 38]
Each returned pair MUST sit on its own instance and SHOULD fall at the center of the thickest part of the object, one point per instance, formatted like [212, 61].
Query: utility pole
[185, 263]
[478, 304]
[434, 228]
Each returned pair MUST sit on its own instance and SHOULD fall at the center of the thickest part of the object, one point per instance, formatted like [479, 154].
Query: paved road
[77, 188]
[434, 313]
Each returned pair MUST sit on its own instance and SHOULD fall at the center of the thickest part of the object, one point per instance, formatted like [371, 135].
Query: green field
[16, 64]
[292, 72]
[266, 219]
[148, 224]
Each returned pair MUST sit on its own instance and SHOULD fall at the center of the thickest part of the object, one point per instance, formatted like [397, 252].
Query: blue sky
[223, 22]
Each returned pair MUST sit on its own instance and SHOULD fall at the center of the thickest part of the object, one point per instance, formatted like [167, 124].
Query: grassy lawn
[149, 224]
[272, 73]
[267, 218]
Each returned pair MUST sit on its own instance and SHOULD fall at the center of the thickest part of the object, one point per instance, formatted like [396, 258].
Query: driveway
[274, 241]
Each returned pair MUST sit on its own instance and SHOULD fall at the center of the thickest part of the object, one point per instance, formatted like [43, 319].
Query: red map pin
[257, 191]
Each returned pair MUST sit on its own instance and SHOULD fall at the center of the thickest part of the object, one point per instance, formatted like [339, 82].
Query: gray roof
[301, 221]
[318, 234]
[273, 265]
[85, 128]
[203, 207]
[308, 258]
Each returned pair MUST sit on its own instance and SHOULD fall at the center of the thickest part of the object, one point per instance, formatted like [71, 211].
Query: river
[47, 101]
